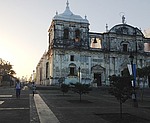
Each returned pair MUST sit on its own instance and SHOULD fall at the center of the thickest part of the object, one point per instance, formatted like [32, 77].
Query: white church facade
[77, 55]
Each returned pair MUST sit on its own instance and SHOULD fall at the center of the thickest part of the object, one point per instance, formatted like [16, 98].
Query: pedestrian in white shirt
[18, 88]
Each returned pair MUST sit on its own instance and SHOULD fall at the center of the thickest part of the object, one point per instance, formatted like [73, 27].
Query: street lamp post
[79, 73]
[33, 76]
[134, 97]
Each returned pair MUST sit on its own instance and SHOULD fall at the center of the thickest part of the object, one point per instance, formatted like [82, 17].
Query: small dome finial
[106, 27]
[56, 13]
[67, 3]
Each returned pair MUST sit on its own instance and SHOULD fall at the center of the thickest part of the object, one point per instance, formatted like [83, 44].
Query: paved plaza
[49, 105]
[95, 107]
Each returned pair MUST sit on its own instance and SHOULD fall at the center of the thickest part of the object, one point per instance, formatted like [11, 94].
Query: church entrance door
[97, 76]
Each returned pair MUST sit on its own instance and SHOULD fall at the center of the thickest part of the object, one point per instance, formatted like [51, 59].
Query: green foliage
[6, 71]
[125, 72]
[64, 88]
[121, 87]
[140, 72]
[145, 71]
[81, 88]
[6, 68]
[61, 80]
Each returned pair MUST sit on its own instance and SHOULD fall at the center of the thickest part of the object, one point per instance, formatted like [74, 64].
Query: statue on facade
[123, 19]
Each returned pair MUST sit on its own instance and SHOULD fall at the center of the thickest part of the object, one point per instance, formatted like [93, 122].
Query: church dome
[67, 15]
[126, 29]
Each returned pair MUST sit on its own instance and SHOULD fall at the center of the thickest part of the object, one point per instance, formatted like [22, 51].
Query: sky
[24, 25]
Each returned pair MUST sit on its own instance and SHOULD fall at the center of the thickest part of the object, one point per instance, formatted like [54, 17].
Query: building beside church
[77, 55]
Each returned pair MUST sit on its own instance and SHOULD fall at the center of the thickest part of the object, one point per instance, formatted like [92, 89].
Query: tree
[81, 88]
[143, 73]
[61, 80]
[125, 72]
[6, 70]
[64, 88]
[121, 88]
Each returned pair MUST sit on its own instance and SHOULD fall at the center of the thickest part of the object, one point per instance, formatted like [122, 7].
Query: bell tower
[69, 31]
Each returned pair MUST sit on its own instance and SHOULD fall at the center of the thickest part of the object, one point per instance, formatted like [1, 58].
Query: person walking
[18, 88]
[33, 88]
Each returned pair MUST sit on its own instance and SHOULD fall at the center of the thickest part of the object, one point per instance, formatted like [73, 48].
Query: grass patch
[65, 95]
[126, 118]
[78, 101]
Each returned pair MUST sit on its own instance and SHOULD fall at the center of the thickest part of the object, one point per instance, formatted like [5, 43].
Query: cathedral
[77, 55]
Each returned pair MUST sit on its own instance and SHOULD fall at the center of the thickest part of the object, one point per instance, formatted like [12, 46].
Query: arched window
[66, 33]
[125, 47]
[77, 35]
[72, 69]
[96, 43]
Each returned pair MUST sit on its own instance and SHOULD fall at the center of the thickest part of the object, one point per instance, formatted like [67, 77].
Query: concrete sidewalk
[44, 113]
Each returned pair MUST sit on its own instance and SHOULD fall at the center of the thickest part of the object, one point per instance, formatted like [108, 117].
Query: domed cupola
[125, 29]
[67, 15]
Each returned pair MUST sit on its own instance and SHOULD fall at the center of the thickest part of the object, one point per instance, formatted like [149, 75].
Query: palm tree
[6, 70]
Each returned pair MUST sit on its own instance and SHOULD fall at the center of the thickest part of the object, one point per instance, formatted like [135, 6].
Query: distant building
[42, 76]
[77, 55]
